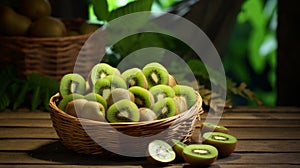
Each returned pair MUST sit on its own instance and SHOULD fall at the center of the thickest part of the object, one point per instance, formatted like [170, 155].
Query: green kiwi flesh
[178, 147]
[142, 96]
[147, 114]
[200, 154]
[92, 110]
[209, 127]
[160, 152]
[72, 83]
[155, 74]
[118, 94]
[123, 111]
[96, 97]
[161, 91]
[225, 143]
[68, 98]
[165, 108]
[75, 106]
[186, 92]
[102, 70]
[135, 77]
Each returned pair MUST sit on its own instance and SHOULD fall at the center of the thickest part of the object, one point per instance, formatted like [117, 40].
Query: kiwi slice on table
[96, 97]
[161, 91]
[105, 85]
[142, 97]
[75, 106]
[160, 152]
[147, 114]
[165, 108]
[225, 143]
[102, 70]
[68, 98]
[135, 77]
[209, 127]
[123, 111]
[118, 94]
[178, 147]
[155, 74]
[186, 92]
[72, 83]
[92, 110]
[200, 154]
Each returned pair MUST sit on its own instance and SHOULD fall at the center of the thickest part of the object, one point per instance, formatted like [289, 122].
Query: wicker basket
[52, 57]
[108, 140]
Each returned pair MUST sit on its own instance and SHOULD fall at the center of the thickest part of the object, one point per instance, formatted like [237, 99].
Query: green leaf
[4, 102]
[36, 98]
[20, 99]
[100, 9]
[46, 99]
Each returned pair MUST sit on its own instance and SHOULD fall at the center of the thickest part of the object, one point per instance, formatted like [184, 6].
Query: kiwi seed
[135, 77]
[155, 74]
[72, 83]
[142, 97]
[165, 108]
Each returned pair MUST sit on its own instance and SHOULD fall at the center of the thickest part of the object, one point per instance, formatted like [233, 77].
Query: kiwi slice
[119, 94]
[123, 111]
[68, 98]
[72, 83]
[181, 104]
[161, 91]
[160, 152]
[186, 92]
[135, 77]
[209, 127]
[178, 147]
[200, 154]
[147, 114]
[171, 81]
[142, 97]
[102, 70]
[105, 85]
[155, 74]
[92, 110]
[225, 143]
[96, 97]
[75, 106]
[165, 108]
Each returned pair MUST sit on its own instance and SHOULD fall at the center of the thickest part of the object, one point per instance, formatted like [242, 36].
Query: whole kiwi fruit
[47, 26]
[34, 9]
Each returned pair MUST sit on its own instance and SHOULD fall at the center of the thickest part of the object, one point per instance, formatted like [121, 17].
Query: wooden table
[268, 137]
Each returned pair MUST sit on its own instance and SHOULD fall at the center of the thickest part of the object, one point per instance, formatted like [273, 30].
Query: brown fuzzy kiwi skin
[146, 114]
[75, 106]
[180, 104]
[92, 110]
[172, 81]
[119, 94]
[208, 127]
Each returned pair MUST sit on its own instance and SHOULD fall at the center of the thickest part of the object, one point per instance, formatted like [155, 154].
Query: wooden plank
[35, 133]
[258, 123]
[27, 122]
[264, 109]
[24, 113]
[24, 144]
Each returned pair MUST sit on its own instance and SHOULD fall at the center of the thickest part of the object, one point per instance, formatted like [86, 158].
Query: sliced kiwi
[92, 110]
[102, 70]
[135, 77]
[105, 85]
[200, 154]
[209, 127]
[165, 108]
[225, 143]
[186, 92]
[147, 114]
[75, 106]
[178, 147]
[181, 104]
[171, 81]
[72, 83]
[142, 97]
[123, 111]
[161, 91]
[160, 152]
[119, 94]
[68, 98]
[96, 97]
[155, 74]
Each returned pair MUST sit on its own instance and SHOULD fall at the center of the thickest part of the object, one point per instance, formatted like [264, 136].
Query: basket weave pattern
[73, 131]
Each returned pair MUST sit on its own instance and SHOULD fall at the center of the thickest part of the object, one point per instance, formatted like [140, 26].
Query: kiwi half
[225, 143]
[209, 127]
[123, 111]
[161, 91]
[200, 154]
[155, 74]
[105, 85]
[186, 92]
[160, 152]
[165, 108]
[178, 147]
[102, 70]
[75, 106]
[142, 97]
[72, 83]
[135, 77]
[92, 110]
[68, 98]
[147, 114]
[118, 94]
[96, 97]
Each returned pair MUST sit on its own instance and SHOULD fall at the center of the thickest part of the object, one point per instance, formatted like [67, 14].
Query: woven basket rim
[56, 97]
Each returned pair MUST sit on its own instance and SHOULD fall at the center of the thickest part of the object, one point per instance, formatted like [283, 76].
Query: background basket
[73, 131]
[52, 57]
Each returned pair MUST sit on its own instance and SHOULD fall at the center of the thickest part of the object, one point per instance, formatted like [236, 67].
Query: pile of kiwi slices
[216, 143]
[134, 95]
